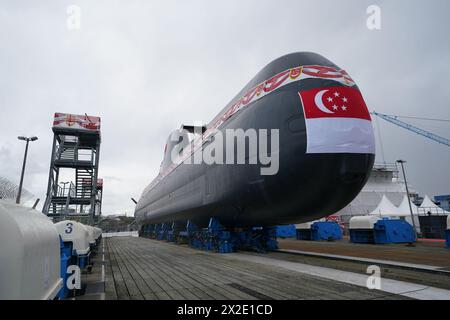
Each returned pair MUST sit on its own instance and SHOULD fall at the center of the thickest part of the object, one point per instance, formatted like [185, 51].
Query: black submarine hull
[306, 187]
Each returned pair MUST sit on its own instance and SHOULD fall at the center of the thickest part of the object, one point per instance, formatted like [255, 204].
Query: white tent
[427, 203]
[404, 207]
[386, 209]
[429, 206]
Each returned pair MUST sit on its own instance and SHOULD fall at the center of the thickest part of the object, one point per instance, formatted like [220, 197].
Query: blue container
[304, 234]
[170, 236]
[225, 247]
[287, 231]
[321, 231]
[66, 257]
[362, 236]
[393, 231]
[83, 260]
[447, 238]
[163, 231]
[326, 231]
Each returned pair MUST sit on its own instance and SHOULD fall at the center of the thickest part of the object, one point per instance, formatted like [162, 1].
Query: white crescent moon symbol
[319, 102]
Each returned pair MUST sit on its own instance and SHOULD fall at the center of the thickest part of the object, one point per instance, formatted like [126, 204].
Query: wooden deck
[138, 268]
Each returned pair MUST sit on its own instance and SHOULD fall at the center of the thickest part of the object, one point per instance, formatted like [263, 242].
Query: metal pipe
[36, 203]
[23, 172]
[19, 194]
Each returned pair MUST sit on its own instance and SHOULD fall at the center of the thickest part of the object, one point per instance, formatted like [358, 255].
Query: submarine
[325, 152]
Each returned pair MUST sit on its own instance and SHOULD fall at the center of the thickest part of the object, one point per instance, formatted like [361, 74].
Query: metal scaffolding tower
[76, 148]
[407, 126]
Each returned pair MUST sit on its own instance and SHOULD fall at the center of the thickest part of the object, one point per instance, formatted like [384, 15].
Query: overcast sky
[145, 67]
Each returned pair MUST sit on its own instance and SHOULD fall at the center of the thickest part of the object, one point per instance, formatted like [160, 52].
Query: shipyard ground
[140, 268]
[426, 252]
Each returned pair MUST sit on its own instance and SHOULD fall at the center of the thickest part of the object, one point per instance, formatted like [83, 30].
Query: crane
[427, 134]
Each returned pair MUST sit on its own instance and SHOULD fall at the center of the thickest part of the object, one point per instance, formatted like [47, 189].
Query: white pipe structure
[363, 222]
[29, 254]
[75, 232]
[91, 236]
[97, 233]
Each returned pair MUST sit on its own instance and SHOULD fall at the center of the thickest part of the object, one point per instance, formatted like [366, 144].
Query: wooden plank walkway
[138, 268]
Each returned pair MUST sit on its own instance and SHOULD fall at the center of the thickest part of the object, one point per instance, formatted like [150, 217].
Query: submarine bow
[325, 155]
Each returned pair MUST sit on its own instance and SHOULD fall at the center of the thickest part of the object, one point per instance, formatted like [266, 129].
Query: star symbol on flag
[330, 99]
[336, 94]
[344, 99]
[335, 107]
[344, 108]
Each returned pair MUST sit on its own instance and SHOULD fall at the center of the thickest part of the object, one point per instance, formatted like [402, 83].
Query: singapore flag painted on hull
[337, 121]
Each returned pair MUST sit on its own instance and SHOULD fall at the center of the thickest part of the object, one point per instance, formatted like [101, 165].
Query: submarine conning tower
[326, 152]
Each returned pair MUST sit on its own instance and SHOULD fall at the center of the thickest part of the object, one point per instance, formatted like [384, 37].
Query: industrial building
[443, 201]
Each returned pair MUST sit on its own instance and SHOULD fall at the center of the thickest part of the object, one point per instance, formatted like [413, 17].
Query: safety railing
[431, 211]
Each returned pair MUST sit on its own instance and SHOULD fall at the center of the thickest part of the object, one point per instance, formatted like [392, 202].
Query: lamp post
[24, 163]
[407, 195]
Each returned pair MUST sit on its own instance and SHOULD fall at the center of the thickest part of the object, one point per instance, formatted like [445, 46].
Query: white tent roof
[428, 205]
[386, 209]
[404, 207]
